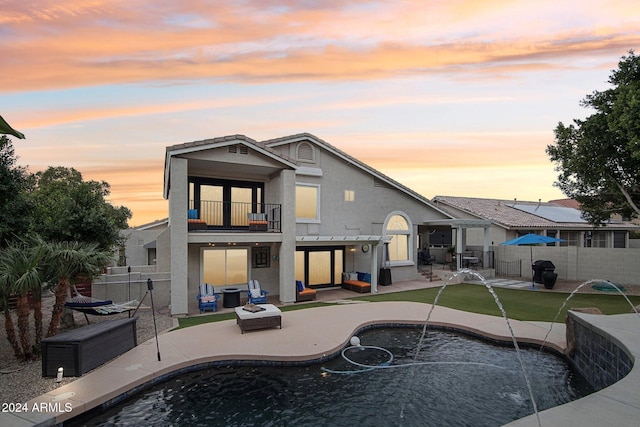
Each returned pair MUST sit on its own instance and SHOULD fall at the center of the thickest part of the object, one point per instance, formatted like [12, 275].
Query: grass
[518, 304]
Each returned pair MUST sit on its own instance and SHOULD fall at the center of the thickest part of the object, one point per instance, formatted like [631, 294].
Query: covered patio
[459, 228]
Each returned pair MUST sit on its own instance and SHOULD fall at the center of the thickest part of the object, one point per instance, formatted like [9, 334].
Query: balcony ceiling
[212, 168]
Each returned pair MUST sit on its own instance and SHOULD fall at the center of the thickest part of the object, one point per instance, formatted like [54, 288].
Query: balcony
[206, 215]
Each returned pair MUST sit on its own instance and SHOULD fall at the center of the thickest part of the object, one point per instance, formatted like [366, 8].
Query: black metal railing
[216, 215]
[508, 268]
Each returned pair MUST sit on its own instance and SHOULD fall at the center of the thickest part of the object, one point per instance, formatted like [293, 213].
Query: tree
[9, 326]
[70, 209]
[20, 274]
[15, 185]
[599, 157]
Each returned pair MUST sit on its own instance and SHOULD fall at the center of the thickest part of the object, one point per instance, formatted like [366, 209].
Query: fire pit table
[231, 297]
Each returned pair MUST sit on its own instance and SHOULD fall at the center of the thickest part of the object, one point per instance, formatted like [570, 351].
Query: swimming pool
[481, 385]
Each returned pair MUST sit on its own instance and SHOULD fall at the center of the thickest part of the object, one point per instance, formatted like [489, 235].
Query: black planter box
[86, 348]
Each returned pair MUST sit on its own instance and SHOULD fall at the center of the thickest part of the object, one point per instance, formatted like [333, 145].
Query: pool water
[486, 389]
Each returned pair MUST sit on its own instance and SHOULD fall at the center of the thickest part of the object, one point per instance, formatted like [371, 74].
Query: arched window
[399, 231]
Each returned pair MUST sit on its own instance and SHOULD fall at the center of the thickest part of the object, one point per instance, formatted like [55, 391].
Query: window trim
[410, 238]
[315, 220]
[223, 249]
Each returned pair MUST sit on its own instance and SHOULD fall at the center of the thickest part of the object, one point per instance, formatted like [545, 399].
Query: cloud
[74, 45]
[38, 117]
[449, 150]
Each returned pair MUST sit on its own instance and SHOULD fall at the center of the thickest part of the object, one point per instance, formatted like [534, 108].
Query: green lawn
[519, 304]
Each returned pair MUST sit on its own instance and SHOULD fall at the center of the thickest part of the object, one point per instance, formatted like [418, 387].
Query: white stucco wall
[178, 229]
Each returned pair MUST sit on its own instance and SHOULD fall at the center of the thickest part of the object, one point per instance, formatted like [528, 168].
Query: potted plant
[549, 279]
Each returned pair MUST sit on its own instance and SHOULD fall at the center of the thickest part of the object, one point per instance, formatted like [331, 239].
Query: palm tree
[20, 275]
[9, 326]
[66, 262]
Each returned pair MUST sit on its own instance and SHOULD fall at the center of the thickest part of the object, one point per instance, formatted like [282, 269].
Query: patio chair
[207, 298]
[303, 293]
[425, 258]
[255, 294]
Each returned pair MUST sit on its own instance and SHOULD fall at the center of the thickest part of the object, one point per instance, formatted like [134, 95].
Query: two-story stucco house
[287, 209]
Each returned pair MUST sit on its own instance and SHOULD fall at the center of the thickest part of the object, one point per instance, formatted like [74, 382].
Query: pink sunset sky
[447, 97]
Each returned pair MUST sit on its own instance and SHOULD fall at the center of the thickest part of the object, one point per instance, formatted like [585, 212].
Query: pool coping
[331, 327]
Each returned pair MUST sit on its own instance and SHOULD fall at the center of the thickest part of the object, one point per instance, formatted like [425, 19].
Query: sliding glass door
[320, 267]
[225, 203]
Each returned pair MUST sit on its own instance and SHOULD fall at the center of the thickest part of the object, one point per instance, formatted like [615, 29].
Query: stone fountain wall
[600, 358]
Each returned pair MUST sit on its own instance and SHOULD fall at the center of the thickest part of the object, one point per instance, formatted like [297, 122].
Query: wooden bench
[356, 286]
[306, 294]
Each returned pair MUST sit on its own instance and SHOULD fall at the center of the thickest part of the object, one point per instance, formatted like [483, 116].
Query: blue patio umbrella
[7, 129]
[531, 239]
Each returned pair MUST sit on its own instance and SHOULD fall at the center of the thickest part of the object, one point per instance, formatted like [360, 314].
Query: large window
[595, 239]
[570, 238]
[307, 202]
[398, 231]
[224, 267]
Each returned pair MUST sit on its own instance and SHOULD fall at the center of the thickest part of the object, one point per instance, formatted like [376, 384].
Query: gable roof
[516, 214]
[223, 141]
[354, 162]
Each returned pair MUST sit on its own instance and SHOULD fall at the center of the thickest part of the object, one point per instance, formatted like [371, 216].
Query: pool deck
[318, 332]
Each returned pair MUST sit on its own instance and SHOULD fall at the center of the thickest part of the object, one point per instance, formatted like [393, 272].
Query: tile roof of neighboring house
[518, 214]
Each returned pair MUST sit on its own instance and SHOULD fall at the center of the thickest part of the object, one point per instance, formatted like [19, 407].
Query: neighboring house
[287, 209]
[140, 244]
[512, 218]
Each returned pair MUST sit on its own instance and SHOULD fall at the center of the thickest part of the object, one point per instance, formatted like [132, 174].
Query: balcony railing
[214, 215]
